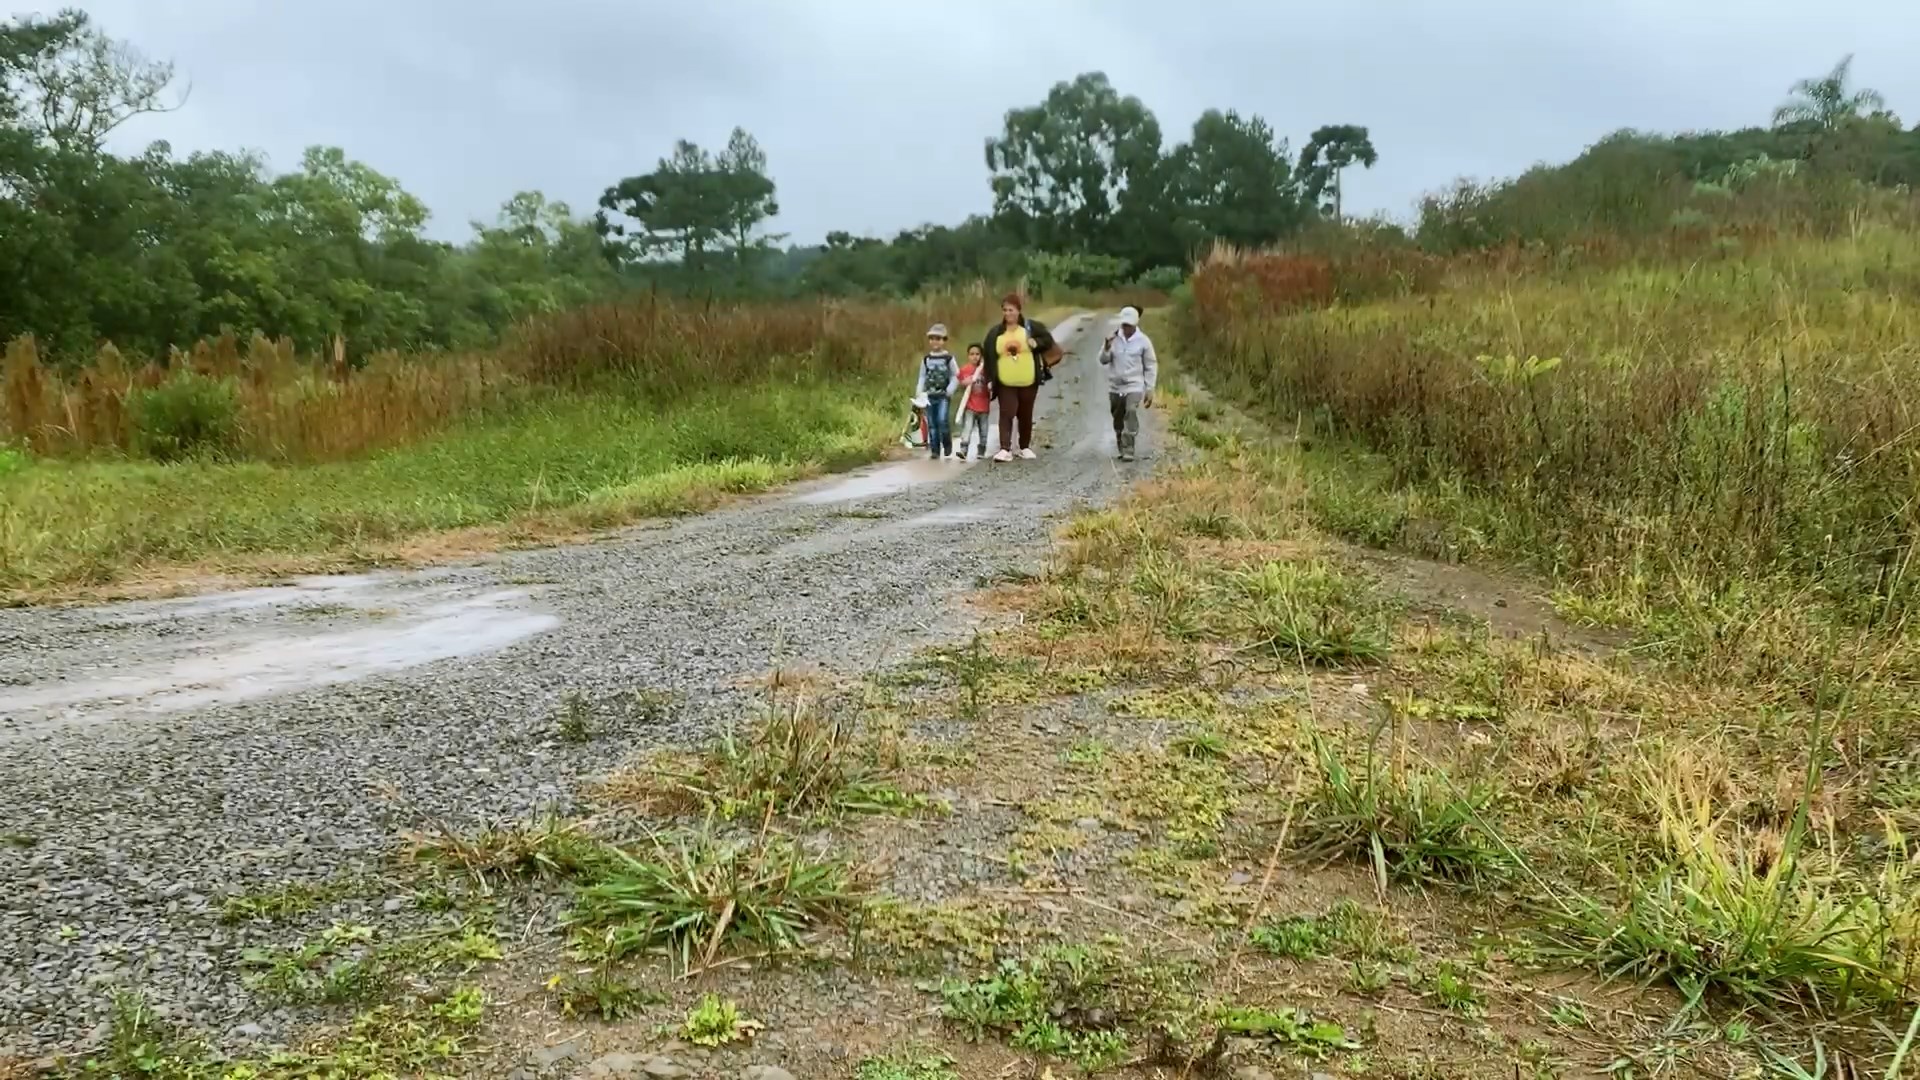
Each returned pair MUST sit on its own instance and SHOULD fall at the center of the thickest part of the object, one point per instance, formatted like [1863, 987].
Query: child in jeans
[973, 427]
[939, 378]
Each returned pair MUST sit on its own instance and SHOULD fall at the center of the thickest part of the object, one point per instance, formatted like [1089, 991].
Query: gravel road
[157, 756]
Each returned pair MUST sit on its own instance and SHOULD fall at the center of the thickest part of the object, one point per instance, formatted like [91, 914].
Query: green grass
[1412, 825]
[565, 460]
[801, 758]
[1087, 1005]
[695, 897]
[601, 994]
[908, 1065]
[407, 1038]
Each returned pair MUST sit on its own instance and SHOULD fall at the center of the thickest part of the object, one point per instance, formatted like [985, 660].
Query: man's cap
[1129, 317]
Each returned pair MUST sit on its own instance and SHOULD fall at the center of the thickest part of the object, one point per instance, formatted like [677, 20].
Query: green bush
[188, 416]
[12, 461]
[1162, 279]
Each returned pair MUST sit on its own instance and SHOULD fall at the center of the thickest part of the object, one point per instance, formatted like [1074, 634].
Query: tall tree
[1328, 154]
[1065, 170]
[1234, 181]
[747, 198]
[67, 82]
[1828, 102]
[693, 205]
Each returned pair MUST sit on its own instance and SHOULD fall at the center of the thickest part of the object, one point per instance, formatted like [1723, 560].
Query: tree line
[151, 250]
[155, 249]
[1828, 144]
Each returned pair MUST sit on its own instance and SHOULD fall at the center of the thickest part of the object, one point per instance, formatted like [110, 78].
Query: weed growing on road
[697, 897]
[1346, 930]
[280, 903]
[1293, 1029]
[410, 1038]
[575, 723]
[908, 1065]
[1085, 1004]
[550, 847]
[602, 994]
[1414, 825]
[800, 758]
[716, 1021]
[344, 963]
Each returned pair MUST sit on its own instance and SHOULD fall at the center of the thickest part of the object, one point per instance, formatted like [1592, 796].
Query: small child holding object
[979, 405]
[939, 377]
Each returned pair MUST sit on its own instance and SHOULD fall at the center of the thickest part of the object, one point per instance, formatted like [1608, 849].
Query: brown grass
[294, 408]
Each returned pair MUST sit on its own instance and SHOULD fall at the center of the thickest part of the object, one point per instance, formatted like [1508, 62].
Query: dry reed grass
[298, 409]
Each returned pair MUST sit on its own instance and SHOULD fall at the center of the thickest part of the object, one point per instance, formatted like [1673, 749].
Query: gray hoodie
[1132, 367]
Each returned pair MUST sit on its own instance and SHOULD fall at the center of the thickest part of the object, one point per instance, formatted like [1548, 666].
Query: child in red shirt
[973, 426]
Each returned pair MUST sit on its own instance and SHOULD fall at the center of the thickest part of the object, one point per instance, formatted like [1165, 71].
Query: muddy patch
[256, 643]
[1509, 606]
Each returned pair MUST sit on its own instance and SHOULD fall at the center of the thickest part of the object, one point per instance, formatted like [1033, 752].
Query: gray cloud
[873, 112]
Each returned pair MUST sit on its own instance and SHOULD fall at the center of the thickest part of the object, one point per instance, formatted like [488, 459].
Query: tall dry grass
[292, 408]
[1655, 422]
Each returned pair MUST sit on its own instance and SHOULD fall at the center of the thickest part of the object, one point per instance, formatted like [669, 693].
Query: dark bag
[1043, 370]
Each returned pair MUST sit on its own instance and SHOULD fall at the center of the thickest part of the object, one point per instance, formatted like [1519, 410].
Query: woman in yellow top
[1019, 350]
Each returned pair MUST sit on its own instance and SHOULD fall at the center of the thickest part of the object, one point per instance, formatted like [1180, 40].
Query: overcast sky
[873, 112]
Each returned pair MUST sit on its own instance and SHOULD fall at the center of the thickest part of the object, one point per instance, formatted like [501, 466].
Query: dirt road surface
[156, 757]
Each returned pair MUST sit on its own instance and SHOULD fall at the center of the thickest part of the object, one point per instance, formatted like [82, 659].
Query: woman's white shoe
[1028, 454]
[1003, 456]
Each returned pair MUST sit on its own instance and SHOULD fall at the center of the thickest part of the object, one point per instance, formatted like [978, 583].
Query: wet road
[158, 756]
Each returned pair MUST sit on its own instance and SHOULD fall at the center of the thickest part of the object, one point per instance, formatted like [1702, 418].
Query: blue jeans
[940, 425]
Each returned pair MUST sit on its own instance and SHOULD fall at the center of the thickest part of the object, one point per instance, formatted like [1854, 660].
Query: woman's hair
[1014, 299]
[975, 348]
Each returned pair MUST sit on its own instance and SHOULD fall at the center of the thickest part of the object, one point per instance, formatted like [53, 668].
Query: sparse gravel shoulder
[128, 816]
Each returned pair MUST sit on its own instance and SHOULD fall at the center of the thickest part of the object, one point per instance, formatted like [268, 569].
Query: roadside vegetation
[1510, 675]
[257, 459]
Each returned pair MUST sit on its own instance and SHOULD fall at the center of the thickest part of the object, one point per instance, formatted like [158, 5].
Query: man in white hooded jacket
[1132, 370]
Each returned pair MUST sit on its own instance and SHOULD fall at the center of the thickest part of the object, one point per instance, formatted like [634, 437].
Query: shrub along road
[161, 757]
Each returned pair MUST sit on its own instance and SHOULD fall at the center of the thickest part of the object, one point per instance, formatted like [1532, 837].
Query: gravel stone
[765, 1072]
[663, 1068]
[613, 1067]
[151, 795]
[548, 1057]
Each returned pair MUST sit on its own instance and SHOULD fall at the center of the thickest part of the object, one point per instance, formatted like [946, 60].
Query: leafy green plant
[1455, 991]
[929, 1065]
[1201, 744]
[697, 896]
[716, 1021]
[1084, 1005]
[188, 416]
[575, 724]
[335, 966]
[1294, 1028]
[601, 993]
[1297, 937]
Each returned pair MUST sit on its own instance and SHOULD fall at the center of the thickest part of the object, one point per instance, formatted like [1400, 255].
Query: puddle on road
[226, 668]
[954, 515]
[882, 480]
[338, 591]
